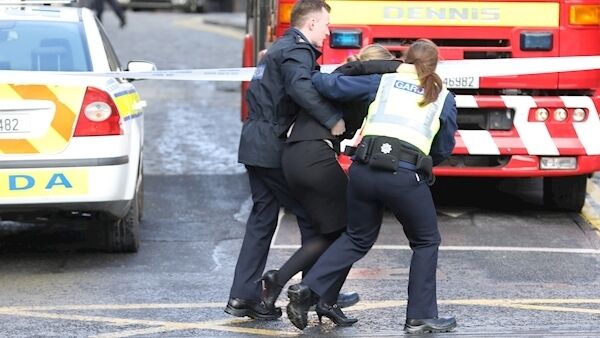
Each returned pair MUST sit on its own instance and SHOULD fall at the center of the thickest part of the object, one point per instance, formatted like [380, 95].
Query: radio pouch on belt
[384, 153]
[363, 150]
[425, 167]
[384, 162]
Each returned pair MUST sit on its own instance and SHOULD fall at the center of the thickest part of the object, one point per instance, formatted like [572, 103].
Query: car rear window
[43, 45]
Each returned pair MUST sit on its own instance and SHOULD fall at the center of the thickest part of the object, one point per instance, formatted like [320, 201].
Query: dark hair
[423, 54]
[304, 7]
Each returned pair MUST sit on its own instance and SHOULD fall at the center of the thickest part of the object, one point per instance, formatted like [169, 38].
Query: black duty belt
[389, 154]
[397, 150]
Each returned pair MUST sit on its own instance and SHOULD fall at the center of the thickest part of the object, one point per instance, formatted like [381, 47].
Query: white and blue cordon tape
[449, 68]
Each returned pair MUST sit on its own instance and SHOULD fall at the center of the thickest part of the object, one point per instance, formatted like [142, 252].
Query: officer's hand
[339, 128]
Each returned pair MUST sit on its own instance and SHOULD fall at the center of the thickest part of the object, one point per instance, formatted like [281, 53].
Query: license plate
[15, 123]
[462, 82]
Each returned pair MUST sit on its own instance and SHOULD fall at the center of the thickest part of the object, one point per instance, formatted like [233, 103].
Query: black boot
[271, 288]
[429, 325]
[250, 308]
[300, 300]
[334, 313]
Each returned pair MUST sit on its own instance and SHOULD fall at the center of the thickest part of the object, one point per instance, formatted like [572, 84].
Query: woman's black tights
[304, 258]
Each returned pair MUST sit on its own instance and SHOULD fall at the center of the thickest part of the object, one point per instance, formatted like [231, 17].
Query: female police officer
[410, 127]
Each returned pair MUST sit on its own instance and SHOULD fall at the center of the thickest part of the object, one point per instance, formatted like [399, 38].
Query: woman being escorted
[410, 127]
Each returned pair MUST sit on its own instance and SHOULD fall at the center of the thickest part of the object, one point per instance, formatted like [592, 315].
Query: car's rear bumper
[112, 209]
[69, 184]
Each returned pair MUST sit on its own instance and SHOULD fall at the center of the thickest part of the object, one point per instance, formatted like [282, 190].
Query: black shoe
[347, 299]
[271, 288]
[253, 309]
[429, 325]
[123, 22]
[300, 300]
[334, 313]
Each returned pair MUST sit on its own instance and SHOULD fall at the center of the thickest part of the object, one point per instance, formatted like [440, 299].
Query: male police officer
[280, 88]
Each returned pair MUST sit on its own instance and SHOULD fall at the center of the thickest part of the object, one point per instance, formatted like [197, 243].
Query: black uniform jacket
[307, 128]
[280, 90]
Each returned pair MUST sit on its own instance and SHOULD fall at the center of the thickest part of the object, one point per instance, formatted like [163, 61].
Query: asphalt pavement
[235, 19]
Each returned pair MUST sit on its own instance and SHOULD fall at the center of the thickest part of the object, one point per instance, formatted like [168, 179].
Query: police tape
[448, 68]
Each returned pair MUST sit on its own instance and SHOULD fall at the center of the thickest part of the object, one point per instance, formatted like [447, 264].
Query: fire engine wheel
[123, 235]
[565, 193]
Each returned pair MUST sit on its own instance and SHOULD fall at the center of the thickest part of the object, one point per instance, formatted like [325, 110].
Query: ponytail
[430, 81]
[423, 54]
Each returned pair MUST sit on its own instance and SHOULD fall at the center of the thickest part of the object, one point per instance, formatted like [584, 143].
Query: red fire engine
[544, 125]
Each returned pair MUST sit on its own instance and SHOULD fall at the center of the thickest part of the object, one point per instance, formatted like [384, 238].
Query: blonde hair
[371, 52]
[424, 55]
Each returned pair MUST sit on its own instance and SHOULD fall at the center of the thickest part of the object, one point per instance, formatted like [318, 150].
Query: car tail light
[98, 116]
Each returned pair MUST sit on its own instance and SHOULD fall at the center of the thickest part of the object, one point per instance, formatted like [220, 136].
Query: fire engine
[543, 125]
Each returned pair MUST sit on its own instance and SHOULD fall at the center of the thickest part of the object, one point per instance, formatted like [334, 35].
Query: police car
[68, 144]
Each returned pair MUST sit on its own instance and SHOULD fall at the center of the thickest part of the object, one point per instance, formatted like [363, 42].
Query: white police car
[68, 144]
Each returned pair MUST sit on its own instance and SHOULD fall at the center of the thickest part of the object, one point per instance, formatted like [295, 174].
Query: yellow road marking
[588, 212]
[528, 304]
[198, 24]
[208, 325]
[113, 307]
[553, 308]
[159, 326]
[232, 325]
[129, 333]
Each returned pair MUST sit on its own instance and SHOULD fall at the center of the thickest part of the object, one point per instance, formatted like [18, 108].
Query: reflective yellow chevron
[125, 101]
[67, 100]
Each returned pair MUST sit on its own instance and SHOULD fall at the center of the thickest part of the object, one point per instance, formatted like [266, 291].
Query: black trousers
[409, 198]
[269, 193]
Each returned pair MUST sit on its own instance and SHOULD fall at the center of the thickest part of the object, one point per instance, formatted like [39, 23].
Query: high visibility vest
[395, 112]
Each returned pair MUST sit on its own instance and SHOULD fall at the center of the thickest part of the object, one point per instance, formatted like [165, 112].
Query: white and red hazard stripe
[530, 137]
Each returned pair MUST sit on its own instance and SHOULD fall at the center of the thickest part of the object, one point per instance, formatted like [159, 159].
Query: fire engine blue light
[536, 41]
[345, 39]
